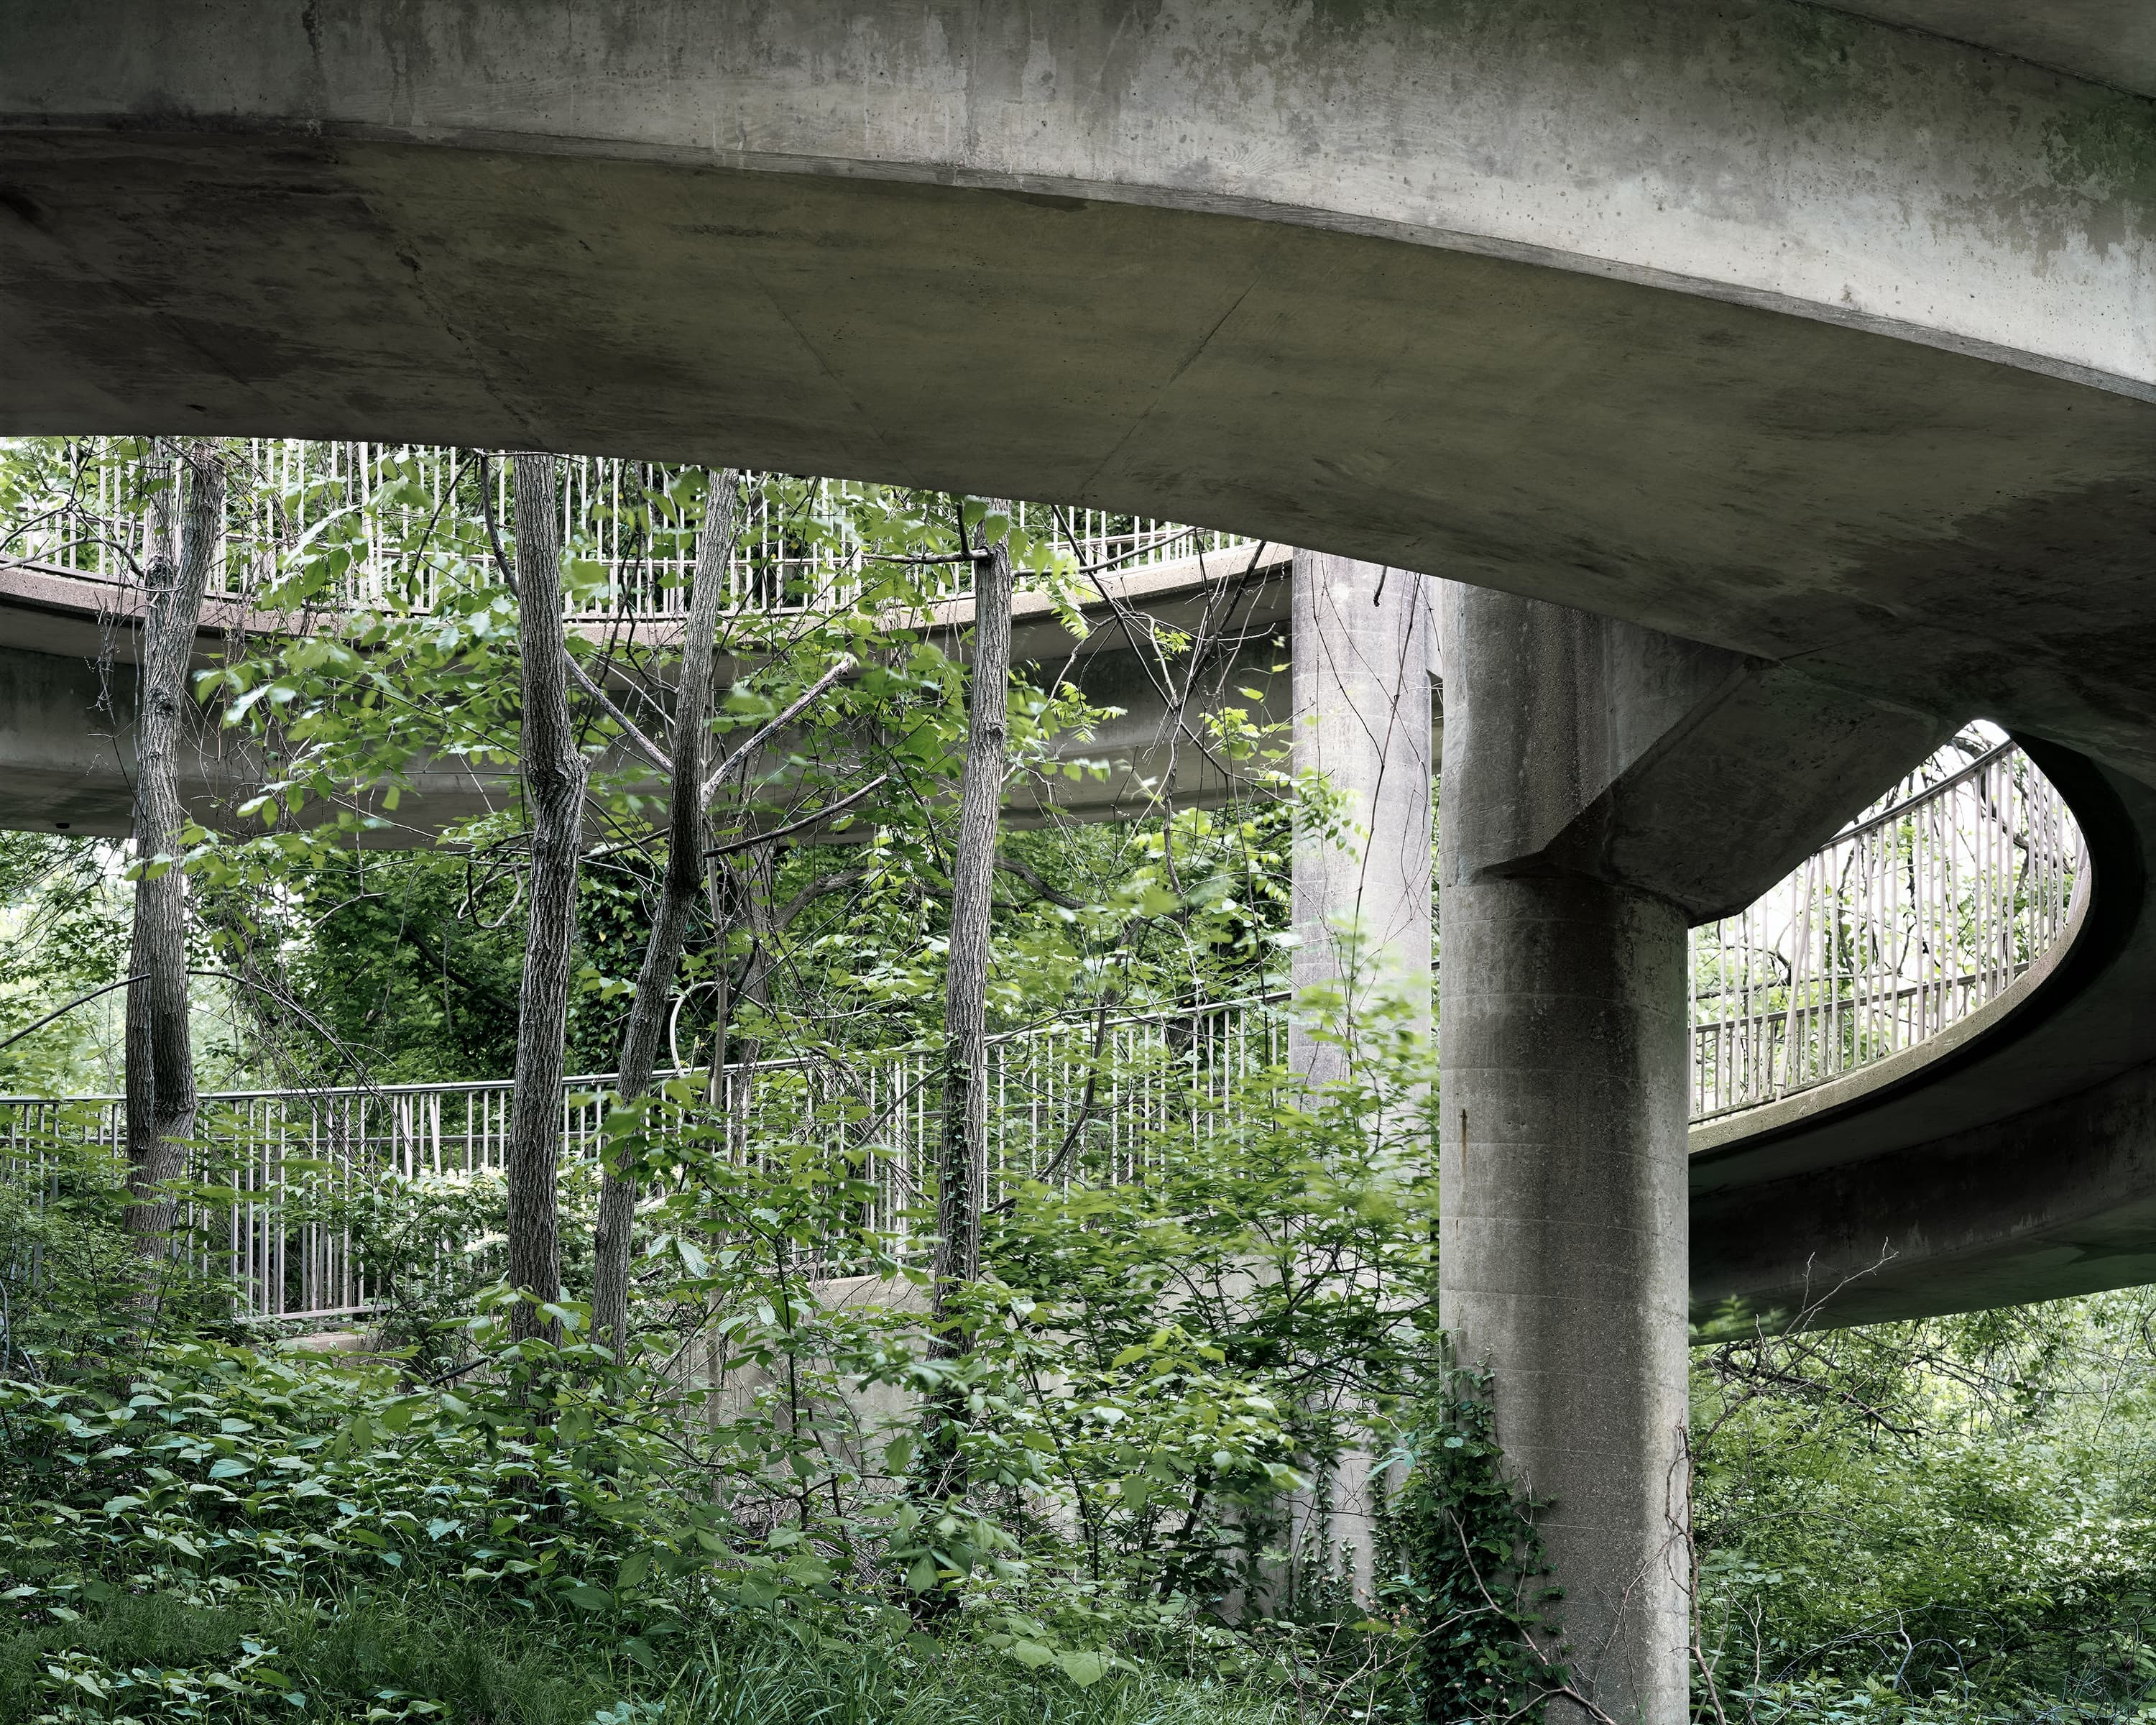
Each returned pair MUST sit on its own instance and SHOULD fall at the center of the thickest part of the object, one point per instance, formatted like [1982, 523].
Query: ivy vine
[1460, 1566]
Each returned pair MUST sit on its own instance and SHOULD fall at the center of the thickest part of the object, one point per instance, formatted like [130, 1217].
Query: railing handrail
[601, 1082]
[644, 580]
[1974, 896]
[1917, 800]
[1908, 920]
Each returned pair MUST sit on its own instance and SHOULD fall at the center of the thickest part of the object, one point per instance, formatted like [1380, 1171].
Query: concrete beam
[68, 644]
[67, 762]
[1689, 772]
[1723, 148]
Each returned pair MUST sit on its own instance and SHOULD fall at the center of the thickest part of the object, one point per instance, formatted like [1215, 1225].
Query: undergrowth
[407, 1658]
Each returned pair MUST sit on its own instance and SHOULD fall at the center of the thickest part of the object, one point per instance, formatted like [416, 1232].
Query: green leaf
[756, 1592]
[922, 1577]
[1083, 1667]
[590, 1598]
[1032, 1655]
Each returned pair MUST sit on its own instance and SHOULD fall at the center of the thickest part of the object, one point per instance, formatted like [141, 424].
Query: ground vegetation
[1174, 1436]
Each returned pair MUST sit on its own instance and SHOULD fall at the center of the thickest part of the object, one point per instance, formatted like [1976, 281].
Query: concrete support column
[1361, 690]
[1562, 1141]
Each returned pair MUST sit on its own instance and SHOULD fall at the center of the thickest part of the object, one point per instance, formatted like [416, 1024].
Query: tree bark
[554, 775]
[161, 1077]
[670, 927]
[961, 1169]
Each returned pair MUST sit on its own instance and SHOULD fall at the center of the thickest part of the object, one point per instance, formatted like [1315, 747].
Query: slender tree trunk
[756, 882]
[719, 897]
[961, 1168]
[554, 773]
[670, 927]
[161, 1077]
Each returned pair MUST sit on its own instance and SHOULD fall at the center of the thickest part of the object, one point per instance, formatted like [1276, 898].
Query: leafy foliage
[1943, 1519]
[1462, 1567]
[66, 926]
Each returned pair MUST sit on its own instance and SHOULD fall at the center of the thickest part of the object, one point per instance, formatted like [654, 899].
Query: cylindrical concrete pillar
[1361, 665]
[1562, 1047]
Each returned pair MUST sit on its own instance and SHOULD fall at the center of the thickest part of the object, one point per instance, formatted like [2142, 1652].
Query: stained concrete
[1361, 904]
[1604, 786]
[1696, 775]
[2111, 41]
[1563, 1241]
[68, 646]
[1760, 325]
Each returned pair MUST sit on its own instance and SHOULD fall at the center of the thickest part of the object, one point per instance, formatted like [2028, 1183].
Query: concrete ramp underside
[1764, 326]
[2020, 1164]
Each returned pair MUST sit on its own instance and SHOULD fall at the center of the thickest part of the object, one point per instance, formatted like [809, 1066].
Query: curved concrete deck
[1827, 341]
[1760, 324]
[2019, 1163]
[69, 642]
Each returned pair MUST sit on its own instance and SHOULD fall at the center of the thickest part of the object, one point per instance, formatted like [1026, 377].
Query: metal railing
[407, 518]
[1067, 1102]
[1932, 904]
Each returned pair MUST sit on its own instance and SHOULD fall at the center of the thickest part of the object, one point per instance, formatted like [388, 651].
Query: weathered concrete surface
[69, 648]
[1693, 773]
[67, 760]
[2111, 41]
[1761, 150]
[1562, 1149]
[1756, 323]
[1160, 751]
[1362, 717]
[1604, 786]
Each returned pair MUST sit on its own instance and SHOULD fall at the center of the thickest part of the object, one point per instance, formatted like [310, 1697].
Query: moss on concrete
[2105, 144]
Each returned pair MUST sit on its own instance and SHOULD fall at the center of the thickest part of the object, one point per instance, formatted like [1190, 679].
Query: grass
[764, 1682]
[505, 1669]
[488, 1672]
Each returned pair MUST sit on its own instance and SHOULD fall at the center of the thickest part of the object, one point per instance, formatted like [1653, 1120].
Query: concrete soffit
[1722, 773]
